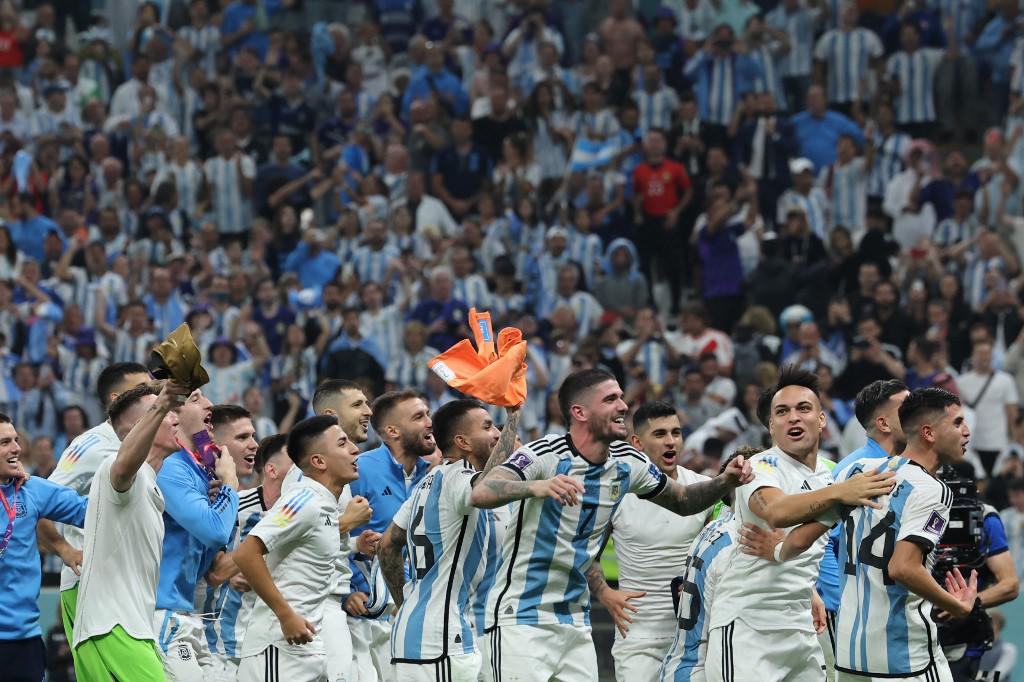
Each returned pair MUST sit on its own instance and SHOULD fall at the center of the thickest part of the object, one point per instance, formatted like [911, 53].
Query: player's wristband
[778, 551]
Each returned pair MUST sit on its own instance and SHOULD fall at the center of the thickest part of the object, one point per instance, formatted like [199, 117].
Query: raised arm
[136, 445]
[686, 500]
[506, 443]
[780, 510]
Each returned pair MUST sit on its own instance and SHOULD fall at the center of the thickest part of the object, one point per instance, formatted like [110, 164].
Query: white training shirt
[300, 533]
[651, 544]
[75, 469]
[884, 629]
[123, 545]
[342, 580]
[768, 595]
[548, 547]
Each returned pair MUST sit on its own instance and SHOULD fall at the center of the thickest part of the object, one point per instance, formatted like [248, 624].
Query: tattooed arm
[780, 510]
[501, 486]
[506, 444]
[392, 565]
[696, 497]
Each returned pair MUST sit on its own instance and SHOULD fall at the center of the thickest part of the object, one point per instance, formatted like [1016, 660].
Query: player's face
[339, 455]
[415, 428]
[605, 412]
[481, 433]
[10, 450]
[354, 414]
[951, 435]
[195, 414]
[796, 420]
[240, 438]
[662, 441]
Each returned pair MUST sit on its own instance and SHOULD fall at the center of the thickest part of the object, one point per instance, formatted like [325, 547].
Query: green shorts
[68, 604]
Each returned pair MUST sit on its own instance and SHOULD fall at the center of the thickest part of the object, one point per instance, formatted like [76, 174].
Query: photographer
[965, 644]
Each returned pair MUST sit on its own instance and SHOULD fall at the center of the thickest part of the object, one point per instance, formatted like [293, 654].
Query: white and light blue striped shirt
[915, 74]
[815, 205]
[584, 306]
[472, 289]
[656, 108]
[370, 265]
[406, 370]
[847, 56]
[206, 42]
[799, 26]
[849, 197]
[586, 250]
[888, 162]
[232, 209]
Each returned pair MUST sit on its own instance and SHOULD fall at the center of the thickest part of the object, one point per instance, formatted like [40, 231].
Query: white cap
[798, 166]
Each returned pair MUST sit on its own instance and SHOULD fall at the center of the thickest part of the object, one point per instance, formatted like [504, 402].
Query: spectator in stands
[817, 129]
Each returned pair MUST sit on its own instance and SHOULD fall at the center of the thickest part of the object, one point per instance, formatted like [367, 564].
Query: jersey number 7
[864, 552]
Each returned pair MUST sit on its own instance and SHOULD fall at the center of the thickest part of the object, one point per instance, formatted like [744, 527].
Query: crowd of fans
[688, 195]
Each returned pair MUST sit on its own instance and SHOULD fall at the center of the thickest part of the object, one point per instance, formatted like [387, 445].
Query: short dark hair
[448, 419]
[873, 396]
[922, 405]
[577, 383]
[745, 451]
[648, 412]
[1016, 485]
[385, 403]
[269, 447]
[226, 414]
[4, 419]
[304, 434]
[794, 375]
[114, 374]
[926, 347]
[764, 407]
[330, 388]
[126, 400]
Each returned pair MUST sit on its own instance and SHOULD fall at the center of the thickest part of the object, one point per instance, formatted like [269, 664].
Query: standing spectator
[956, 80]
[805, 197]
[817, 129]
[992, 396]
[663, 191]
[845, 185]
[911, 78]
[460, 172]
[721, 76]
[656, 101]
[890, 147]
[846, 59]
[798, 22]
[438, 82]
[995, 48]
[164, 304]
[230, 176]
[764, 145]
[523, 42]
[766, 46]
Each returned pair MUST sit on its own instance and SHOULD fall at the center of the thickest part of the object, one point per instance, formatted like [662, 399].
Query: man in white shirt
[289, 558]
[695, 337]
[991, 394]
[652, 545]
[80, 461]
[124, 530]
[761, 609]
[427, 210]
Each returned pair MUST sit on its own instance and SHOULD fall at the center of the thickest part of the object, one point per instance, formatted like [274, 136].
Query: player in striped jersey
[289, 559]
[78, 464]
[886, 552]
[446, 539]
[764, 610]
[565, 490]
[233, 601]
[704, 565]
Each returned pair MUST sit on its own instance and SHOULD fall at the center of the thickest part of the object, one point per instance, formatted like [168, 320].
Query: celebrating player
[446, 539]
[289, 559]
[124, 532]
[539, 606]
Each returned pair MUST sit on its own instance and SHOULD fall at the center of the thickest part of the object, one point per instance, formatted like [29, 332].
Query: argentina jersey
[872, 603]
[496, 523]
[708, 558]
[225, 610]
[447, 542]
[548, 547]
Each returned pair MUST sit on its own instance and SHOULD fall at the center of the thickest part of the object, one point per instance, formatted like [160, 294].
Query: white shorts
[827, 640]
[181, 643]
[371, 650]
[275, 664]
[337, 641]
[483, 643]
[739, 653]
[223, 669]
[455, 668]
[639, 658]
[939, 672]
[538, 653]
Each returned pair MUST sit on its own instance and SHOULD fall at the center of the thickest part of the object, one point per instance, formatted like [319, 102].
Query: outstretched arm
[501, 486]
[780, 510]
[391, 563]
[696, 497]
[507, 443]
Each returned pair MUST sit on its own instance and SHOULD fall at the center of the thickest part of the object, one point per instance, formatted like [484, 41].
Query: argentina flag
[587, 153]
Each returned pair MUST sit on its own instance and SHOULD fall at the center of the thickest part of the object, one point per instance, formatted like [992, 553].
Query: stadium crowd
[687, 196]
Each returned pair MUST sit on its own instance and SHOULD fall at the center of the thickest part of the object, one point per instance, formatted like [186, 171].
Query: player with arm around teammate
[565, 489]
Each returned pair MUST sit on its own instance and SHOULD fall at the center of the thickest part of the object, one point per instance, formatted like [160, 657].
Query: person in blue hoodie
[25, 502]
[194, 526]
[621, 288]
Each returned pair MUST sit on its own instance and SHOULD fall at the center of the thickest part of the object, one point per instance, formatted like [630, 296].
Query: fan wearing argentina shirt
[565, 490]
[762, 614]
[702, 569]
[78, 464]
[446, 540]
[652, 545]
[289, 559]
[124, 531]
[194, 527]
[24, 503]
[886, 554]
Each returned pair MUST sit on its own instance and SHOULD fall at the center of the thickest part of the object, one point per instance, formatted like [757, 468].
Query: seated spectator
[442, 315]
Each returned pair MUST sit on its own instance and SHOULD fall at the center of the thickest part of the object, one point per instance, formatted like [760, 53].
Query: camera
[960, 547]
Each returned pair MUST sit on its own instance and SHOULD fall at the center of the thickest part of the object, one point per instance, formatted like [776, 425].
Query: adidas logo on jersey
[805, 486]
[508, 610]
[387, 491]
[328, 521]
[458, 639]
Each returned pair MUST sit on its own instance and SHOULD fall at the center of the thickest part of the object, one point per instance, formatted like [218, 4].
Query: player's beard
[416, 444]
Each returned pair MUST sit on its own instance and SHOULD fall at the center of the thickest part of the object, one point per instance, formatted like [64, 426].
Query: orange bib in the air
[497, 377]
